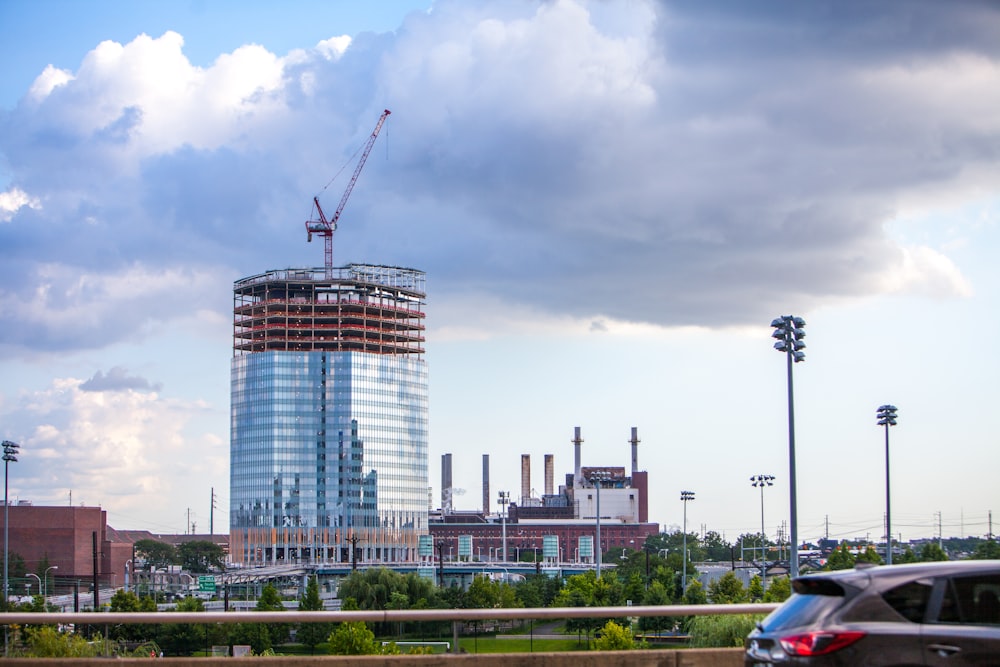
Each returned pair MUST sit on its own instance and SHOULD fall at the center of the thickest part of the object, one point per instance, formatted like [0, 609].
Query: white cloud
[12, 200]
[122, 449]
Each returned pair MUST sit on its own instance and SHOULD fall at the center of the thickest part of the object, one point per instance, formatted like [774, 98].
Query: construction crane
[326, 227]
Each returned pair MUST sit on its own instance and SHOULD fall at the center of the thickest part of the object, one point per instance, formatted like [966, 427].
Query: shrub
[721, 631]
[614, 638]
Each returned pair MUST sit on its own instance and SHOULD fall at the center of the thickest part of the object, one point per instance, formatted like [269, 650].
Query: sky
[611, 200]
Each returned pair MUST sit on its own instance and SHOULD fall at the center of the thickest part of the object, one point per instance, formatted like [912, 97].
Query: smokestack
[577, 440]
[635, 449]
[525, 478]
[549, 474]
[486, 484]
[446, 491]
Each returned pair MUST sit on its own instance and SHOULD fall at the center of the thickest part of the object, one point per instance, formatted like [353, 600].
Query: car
[943, 613]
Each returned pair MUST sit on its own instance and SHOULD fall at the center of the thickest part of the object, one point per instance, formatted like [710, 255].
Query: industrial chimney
[525, 479]
[550, 473]
[577, 441]
[635, 449]
[486, 484]
[446, 491]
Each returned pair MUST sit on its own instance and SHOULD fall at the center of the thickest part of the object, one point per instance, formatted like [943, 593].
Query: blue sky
[611, 200]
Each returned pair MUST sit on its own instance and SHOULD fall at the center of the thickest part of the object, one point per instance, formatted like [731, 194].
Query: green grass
[488, 644]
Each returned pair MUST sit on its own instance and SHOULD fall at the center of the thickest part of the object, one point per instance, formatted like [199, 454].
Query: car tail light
[818, 643]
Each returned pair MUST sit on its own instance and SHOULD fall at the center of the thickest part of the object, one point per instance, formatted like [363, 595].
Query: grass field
[488, 644]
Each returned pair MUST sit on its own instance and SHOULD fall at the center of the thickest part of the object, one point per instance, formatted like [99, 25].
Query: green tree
[841, 558]
[695, 593]
[716, 548]
[46, 641]
[727, 589]
[932, 551]
[906, 557]
[183, 638]
[269, 600]
[128, 602]
[614, 637]
[778, 590]
[254, 635]
[156, 554]
[755, 591]
[869, 555]
[201, 556]
[355, 638]
[312, 634]
[537, 590]
[657, 595]
[986, 550]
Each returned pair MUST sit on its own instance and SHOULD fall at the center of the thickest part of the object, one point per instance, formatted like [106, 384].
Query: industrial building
[560, 525]
[328, 449]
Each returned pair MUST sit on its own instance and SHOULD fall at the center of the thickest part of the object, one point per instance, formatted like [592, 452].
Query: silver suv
[916, 614]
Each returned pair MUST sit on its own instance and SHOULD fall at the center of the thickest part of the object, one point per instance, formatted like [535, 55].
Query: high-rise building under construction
[328, 451]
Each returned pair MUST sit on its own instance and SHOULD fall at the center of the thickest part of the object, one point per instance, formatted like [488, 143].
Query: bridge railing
[378, 616]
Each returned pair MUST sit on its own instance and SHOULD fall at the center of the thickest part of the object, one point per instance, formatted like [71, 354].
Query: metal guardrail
[379, 616]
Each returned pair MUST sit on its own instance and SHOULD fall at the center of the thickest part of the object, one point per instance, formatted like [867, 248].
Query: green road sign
[206, 584]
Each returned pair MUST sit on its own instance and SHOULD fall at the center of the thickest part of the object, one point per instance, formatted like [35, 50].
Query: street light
[762, 481]
[9, 455]
[503, 499]
[790, 330]
[887, 417]
[38, 579]
[45, 580]
[685, 497]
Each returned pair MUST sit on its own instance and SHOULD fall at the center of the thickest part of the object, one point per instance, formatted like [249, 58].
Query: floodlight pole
[762, 481]
[685, 497]
[790, 330]
[9, 455]
[503, 500]
[887, 417]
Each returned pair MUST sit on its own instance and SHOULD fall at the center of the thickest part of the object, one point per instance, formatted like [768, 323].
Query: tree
[932, 551]
[156, 554]
[269, 600]
[657, 595]
[986, 550]
[254, 635]
[869, 555]
[716, 548]
[755, 591]
[183, 638]
[727, 589]
[614, 637]
[779, 590]
[201, 556]
[312, 634]
[128, 602]
[355, 638]
[841, 558]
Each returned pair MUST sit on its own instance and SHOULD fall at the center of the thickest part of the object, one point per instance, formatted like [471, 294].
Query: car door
[963, 626]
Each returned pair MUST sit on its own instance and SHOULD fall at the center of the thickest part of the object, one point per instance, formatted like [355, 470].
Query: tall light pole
[685, 497]
[887, 417]
[762, 481]
[45, 580]
[9, 455]
[503, 499]
[790, 330]
[597, 479]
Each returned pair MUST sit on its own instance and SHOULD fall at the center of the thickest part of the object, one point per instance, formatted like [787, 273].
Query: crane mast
[326, 227]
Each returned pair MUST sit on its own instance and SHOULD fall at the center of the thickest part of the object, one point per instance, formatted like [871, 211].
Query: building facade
[328, 451]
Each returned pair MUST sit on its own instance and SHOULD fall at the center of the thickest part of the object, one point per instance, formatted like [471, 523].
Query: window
[974, 600]
[910, 599]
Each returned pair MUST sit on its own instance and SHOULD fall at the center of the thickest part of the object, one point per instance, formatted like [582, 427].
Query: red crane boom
[326, 228]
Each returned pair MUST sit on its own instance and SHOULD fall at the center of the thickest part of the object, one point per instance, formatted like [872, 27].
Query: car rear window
[812, 600]
[910, 599]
